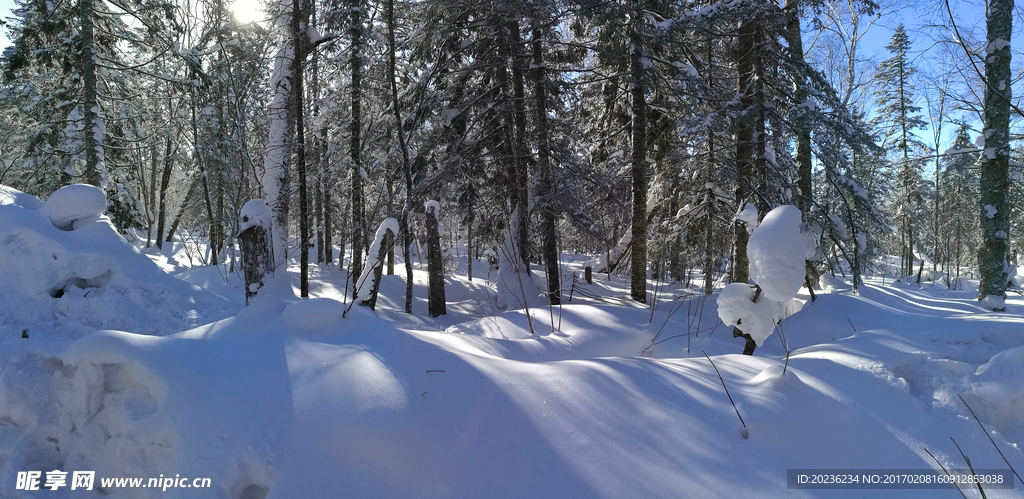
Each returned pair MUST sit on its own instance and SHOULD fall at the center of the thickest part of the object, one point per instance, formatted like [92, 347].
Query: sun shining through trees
[248, 11]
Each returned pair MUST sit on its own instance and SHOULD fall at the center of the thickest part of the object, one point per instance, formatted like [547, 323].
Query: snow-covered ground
[160, 370]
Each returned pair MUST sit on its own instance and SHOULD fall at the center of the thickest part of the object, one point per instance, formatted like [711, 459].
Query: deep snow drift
[318, 398]
[62, 284]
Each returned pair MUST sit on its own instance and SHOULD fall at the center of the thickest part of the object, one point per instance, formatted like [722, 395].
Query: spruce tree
[899, 118]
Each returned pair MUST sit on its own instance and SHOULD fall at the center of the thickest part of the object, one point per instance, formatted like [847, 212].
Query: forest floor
[161, 369]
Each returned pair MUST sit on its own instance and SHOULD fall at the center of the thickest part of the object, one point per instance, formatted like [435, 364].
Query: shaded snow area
[63, 283]
[604, 398]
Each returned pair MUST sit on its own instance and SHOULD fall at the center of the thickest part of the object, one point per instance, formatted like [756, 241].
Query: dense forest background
[649, 133]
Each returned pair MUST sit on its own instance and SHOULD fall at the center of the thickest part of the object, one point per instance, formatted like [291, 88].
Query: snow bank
[65, 284]
[127, 405]
[73, 206]
[777, 252]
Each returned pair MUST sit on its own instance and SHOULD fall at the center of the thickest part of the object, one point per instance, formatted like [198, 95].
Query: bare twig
[968, 460]
[947, 473]
[743, 432]
[989, 437]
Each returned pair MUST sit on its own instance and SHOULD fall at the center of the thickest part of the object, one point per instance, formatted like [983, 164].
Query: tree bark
[299, 40]
[548, 228]
[406, 165]
[749, 152]
[165, 181]
[355, 146]
[435, 266]
[93, 133]
[257, 257]
[638, 271]
[995, 229]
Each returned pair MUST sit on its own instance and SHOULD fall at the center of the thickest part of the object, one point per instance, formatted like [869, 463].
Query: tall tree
[899, 118]
[993, 210]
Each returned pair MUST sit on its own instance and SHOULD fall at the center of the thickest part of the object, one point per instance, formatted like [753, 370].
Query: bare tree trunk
[355, 147]
[257, 250]
[181, 210]
[435, 264]
[995, 229]
[549, 234]
[92, 135]
[638, 273]
[406, 166]
[522, 161]
[165, 181]
[747, 153]
[299, 40]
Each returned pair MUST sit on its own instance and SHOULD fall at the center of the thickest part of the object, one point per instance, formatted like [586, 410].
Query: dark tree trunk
[638, 274]
[90, 103]
[406, 166]
[522, 174]
[355, 146]
[548, 228]
[299, 40]
[748, 143]
[181, 210]
[165, 182]
[435, 266]
[386, 245]
[152, 203]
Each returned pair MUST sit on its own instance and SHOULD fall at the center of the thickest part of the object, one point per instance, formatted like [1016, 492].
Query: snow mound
[736, 308]
[1000, 381]
[307, 316]
[17, 198]
[127, 405]
[777, 252]
[73, 206]
[832, 284]
[65, 284]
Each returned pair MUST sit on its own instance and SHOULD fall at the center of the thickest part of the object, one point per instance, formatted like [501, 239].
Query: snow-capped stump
[254, 223]
[73, 206]
[366, 290]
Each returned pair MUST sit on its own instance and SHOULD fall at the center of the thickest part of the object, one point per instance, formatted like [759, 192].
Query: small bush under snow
[73, 206]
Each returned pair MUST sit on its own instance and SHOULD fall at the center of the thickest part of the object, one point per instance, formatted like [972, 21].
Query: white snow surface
[291, 399]
[777, 251]
[74, 206]
[990, 211]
